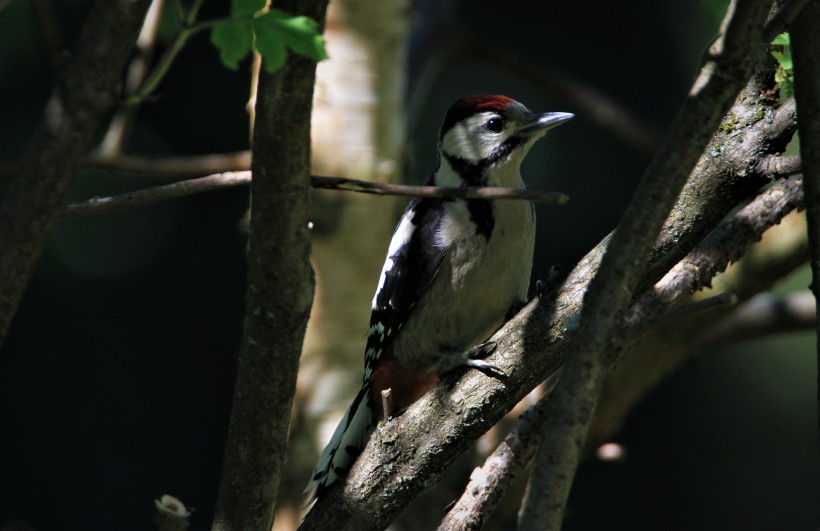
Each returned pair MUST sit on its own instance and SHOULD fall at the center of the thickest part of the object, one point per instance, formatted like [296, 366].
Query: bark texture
[279, 295]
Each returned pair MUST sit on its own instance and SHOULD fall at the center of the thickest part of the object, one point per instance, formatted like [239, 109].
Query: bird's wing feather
[413, 259]
[412, 262]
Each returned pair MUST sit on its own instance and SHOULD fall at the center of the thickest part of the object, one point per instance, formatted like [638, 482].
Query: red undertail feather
[406, 386]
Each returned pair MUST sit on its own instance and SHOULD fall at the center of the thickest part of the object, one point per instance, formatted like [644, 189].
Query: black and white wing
[413, 259]
[412, 262]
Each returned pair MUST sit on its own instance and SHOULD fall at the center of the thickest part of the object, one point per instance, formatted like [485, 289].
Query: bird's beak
[541, 123]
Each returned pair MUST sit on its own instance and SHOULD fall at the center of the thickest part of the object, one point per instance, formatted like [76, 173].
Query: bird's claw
[474, 358]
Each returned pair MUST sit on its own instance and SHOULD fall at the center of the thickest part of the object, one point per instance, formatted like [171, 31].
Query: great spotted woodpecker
[455, 271]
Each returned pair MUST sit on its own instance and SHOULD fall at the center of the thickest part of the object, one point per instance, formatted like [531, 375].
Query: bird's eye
[496, 125]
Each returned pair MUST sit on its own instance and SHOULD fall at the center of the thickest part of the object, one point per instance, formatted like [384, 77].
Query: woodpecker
[456, 270]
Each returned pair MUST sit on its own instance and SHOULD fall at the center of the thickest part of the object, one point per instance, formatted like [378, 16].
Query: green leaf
[234, 39]
[305, 38]
[301, 34]
[782, 40]
[784, 58]
[782, 51]
[271, 45]
[275, 32]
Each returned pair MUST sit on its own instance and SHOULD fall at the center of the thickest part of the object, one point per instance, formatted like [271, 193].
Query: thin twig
[774, 166]
[239, 162]
[153, 79]
[436, 192]
[155, 194]
[218, 181]
[120, 126]
[250, 106]
[725, 299]
[765, 315]
[387, 402]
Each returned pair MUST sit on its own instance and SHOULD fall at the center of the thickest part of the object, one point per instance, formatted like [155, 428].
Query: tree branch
[155, 194]
[729, 63]
[806, 53]
[775, 166]
[97, 205]
[86, 90]
[765, 315]
[726, 172]
[438, 192]
[641, 369]
[728, 243]
[279, 296]
[489, 483]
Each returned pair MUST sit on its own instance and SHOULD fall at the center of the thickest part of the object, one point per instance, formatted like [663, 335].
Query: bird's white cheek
[471, 147]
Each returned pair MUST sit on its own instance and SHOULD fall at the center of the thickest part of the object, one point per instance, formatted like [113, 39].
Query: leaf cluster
[271, 32]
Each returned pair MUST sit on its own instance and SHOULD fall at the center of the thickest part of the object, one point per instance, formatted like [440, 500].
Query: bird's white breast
[477, 283]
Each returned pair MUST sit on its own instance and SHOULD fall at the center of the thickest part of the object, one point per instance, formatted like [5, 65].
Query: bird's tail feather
[346, 444]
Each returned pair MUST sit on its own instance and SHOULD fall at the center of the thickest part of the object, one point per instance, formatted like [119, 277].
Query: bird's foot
[472, 358]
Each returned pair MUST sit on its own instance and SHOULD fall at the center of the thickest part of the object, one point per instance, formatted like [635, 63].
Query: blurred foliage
[782, 51]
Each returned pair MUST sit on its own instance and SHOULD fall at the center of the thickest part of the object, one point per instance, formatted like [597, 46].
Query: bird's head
[488, 135]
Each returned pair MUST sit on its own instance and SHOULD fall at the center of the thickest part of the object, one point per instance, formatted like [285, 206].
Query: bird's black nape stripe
[481, 213]
[473, 174]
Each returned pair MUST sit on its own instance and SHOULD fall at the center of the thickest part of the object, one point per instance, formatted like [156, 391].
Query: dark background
[116, 379]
